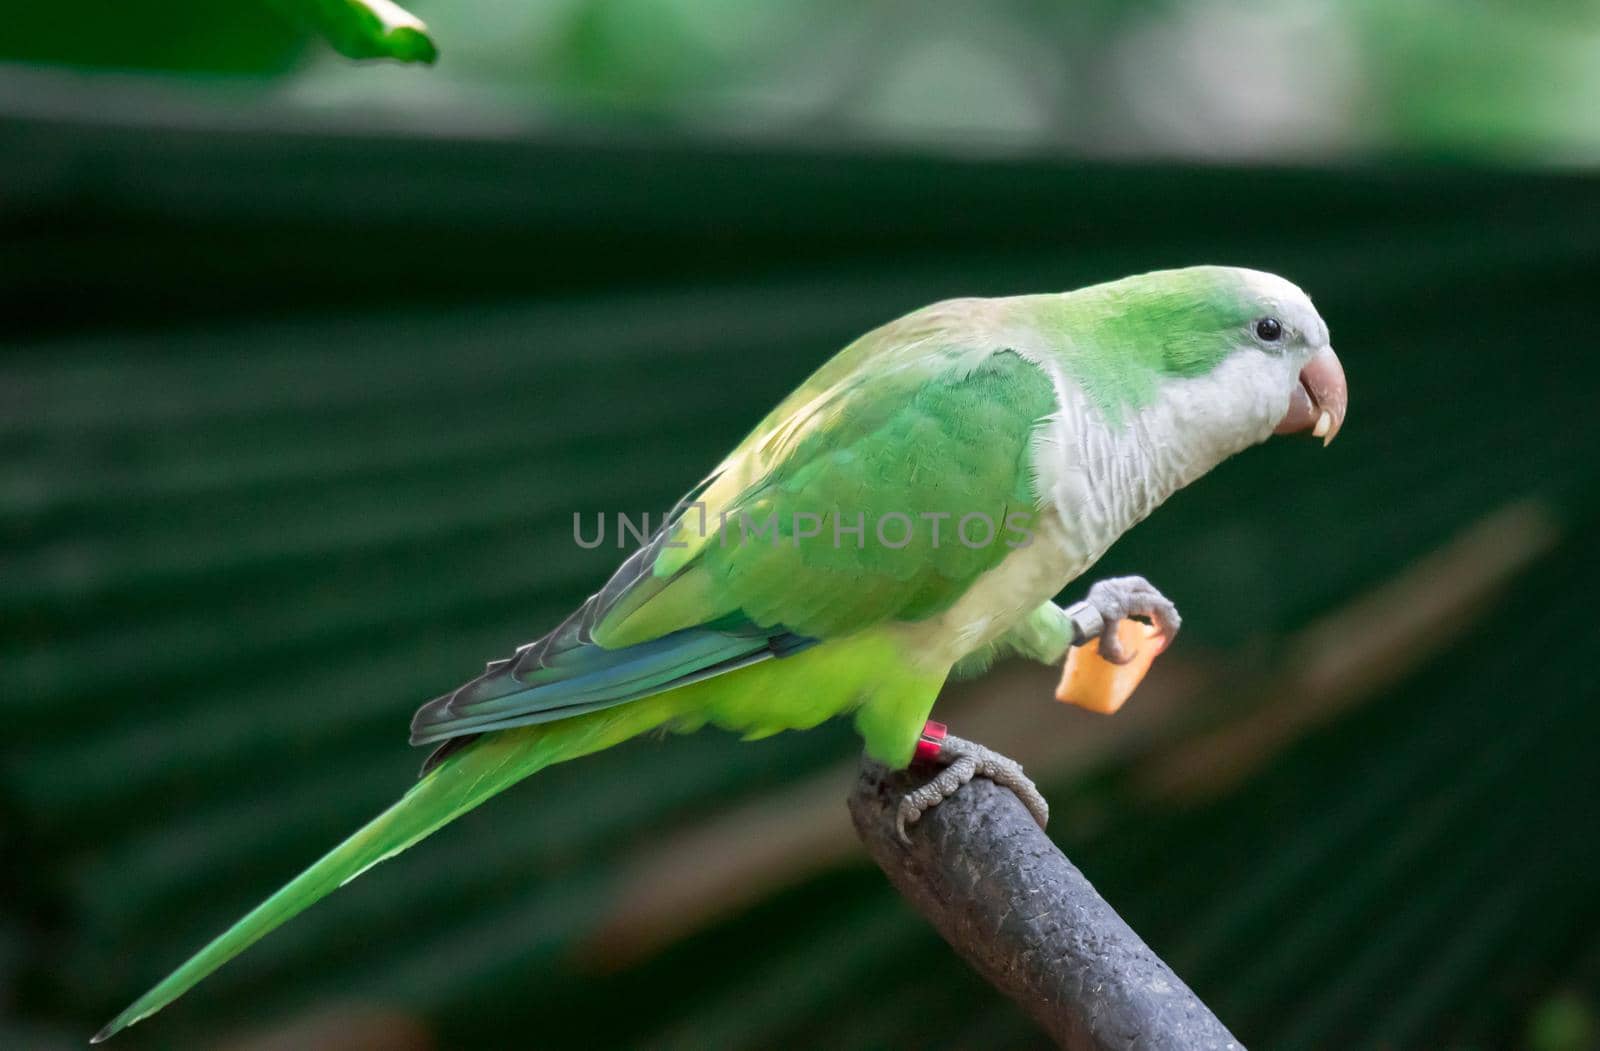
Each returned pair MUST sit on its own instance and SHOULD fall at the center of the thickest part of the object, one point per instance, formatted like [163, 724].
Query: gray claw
[966, 761]
[1114, 600]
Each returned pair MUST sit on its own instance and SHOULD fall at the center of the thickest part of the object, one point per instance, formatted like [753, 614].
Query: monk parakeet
[908, 513]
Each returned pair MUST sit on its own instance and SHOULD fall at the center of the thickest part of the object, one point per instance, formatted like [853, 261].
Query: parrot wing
[819, 525]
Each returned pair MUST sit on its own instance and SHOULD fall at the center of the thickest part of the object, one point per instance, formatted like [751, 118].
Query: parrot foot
[1118, 598]
[963, 760]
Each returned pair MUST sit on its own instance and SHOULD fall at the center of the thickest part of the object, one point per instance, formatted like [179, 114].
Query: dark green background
[292, 424]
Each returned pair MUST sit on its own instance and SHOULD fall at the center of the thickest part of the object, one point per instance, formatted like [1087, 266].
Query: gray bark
[1010, 903]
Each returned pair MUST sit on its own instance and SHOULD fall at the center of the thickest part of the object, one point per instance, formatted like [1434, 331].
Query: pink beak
[1319, 399]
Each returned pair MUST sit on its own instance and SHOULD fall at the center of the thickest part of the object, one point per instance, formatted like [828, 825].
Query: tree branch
[1010, 903]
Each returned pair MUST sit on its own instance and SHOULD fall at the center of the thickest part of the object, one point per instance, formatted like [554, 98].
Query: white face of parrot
[1289, 324]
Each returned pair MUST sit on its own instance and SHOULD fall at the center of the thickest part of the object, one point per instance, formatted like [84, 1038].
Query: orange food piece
[1090, 681]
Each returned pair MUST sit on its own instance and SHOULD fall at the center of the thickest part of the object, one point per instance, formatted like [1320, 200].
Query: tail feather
[468, 778]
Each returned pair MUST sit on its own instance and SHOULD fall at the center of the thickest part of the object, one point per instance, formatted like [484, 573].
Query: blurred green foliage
[194, 36]
[252, 37]
[1200, 78]
[365, 28]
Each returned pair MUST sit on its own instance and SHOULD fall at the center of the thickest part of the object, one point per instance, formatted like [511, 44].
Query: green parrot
[905, 515]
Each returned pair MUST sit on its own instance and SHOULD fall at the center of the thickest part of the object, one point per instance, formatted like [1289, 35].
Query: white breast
[1104, 479]
[1095, 481]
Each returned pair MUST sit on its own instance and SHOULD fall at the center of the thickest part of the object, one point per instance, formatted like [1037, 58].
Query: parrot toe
[1118, 598]
[963, 761]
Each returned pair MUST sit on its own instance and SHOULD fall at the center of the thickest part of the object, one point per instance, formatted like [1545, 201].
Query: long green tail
[466, 779]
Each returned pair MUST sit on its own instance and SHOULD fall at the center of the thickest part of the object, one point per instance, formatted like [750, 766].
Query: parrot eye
[1269, 330]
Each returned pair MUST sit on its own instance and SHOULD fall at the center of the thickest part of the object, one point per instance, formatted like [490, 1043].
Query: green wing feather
[916, 457]
[945, 435]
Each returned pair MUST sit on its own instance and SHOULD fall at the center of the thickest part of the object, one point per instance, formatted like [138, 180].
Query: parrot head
[1240, 353]
[1184, 368]
[1276, 327]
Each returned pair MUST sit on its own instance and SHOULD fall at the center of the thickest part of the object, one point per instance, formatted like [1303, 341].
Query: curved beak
[1319, 399]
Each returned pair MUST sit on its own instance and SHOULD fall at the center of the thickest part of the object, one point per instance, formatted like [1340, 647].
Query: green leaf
[366, 28]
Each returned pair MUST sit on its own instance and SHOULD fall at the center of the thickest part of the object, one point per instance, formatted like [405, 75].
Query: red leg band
[929, 743]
